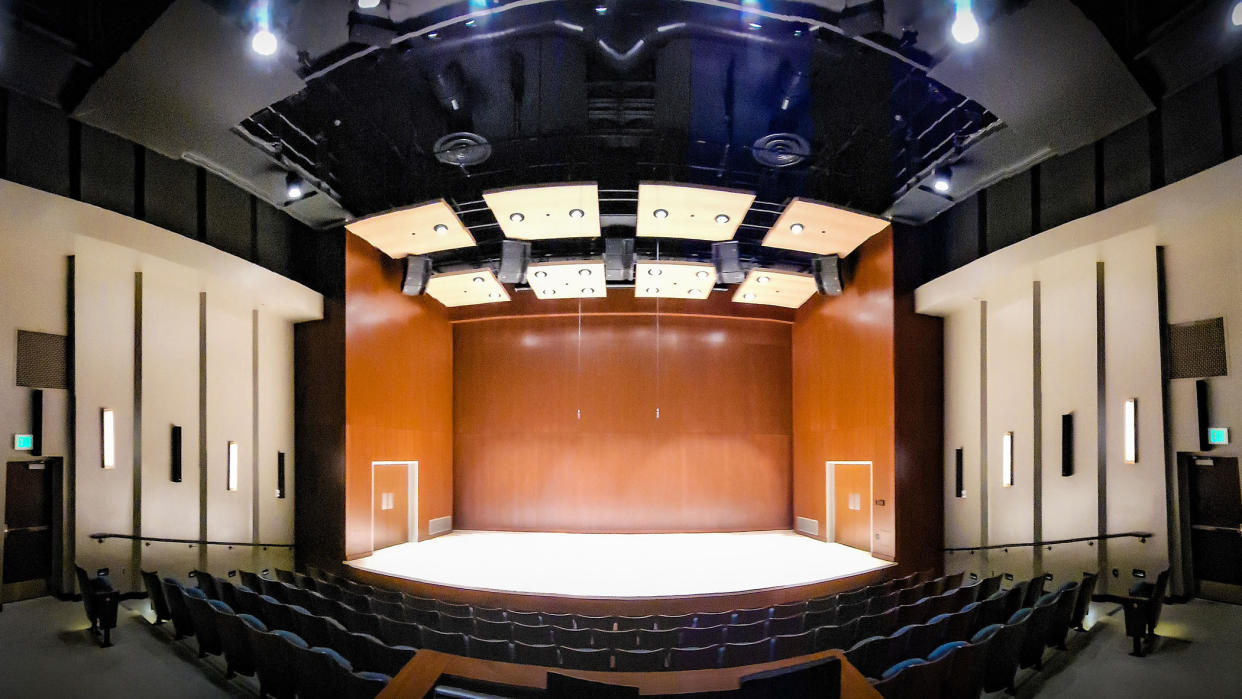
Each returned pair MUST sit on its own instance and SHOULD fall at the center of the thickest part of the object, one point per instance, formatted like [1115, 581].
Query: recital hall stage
[620, 573]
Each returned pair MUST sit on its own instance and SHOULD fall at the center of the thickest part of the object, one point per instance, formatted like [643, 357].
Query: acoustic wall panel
[229, 419]
[275, 428]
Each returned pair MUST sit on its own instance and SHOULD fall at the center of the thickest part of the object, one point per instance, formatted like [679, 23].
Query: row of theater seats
[973, 652]
[292, 652]
[626, 643]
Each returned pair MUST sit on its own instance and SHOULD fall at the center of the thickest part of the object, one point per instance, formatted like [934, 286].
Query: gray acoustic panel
[1197, 349]
[41, 360]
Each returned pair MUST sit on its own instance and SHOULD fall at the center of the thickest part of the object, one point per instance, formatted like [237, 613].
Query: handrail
[1138, 535]
[101, 536]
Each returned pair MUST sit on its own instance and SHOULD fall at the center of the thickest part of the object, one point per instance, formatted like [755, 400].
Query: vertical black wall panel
[961, 233]
[1067, 187]
[37, 146]
[1127, 163]
[1192, 130]
[228, 217]
[169, 194]
[1231, 84]
[107, 171]
[274, 234]
[1009, 211]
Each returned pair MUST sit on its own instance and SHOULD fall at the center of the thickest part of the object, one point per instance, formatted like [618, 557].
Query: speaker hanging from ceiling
[514, 259]
[827, 272]
[619, 259]
[417, 272]
[727, 257]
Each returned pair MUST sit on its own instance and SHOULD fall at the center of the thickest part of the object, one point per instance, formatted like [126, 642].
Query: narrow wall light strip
[232, 474]
[108, 437]
[1130, 425]
[1007, 459]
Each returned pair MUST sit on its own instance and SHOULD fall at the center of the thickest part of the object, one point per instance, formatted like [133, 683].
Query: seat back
[207, 583]
[576, 638]
[652, 639]
[174, 594]
[544, 654]
[850, 611]
[390, 659]
[603, 623]
[251, 581]
[205, 631]
[444, 642]
[634, 623]
[871, 656]
[493, 630]
[783, 626]
[614, 639]
[883, 603]
[815, 618]
[674, 621]
[363, 685]
[787, 609]
[276, 661]
[1003, 652]
[392, 610]
[1157, 601]
[703, 658]
[749, 653]
[1083, 600]
[707, 619]
[235, 641]
[586, 658]
[155, 591]
[490, 614]
[746, 633]
[750, 616]
[1059, 624]
[1032, 652]
[698, 637]
[793, 645]
[393, 596]
[402, 633]
[319, 672]
[626, 660]
[840, 636]
[1034, 590]
[456, 624]
[489, 649]
[535, 635]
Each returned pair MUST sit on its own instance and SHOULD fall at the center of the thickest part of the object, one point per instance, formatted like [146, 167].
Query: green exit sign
[23, 442]
[1218, 435]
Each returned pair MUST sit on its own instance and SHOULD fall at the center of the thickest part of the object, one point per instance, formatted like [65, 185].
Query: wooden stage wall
[556, 428]
[398, 391]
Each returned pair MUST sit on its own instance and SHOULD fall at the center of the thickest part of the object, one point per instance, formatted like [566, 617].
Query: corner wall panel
[229, 416]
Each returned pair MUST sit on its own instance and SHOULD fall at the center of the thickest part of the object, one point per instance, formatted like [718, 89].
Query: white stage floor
[620, 565]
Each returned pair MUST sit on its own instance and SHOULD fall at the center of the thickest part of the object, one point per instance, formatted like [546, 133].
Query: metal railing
[192, 542]
[1141, 536]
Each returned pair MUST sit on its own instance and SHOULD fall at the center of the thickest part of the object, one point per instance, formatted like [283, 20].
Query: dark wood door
[851, 501]
[1215, 518]
[28, 522]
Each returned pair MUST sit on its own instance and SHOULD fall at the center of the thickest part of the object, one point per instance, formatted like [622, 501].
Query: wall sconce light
[280, 474]
[232, 476]
[959, 474]
[1007, 459]
[1130, 424]
[107, 422]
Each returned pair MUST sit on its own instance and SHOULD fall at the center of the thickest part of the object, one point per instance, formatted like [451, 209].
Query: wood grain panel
[392, 525]
[557, 434]
[718, 304]
[852, 527]
[398, 390]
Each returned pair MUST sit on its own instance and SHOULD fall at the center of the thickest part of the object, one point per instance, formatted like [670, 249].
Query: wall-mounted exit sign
[23, 442]
[1218, 435]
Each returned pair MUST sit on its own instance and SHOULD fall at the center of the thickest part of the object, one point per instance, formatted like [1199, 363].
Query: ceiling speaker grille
[1197, 349]
[780, 150]
[462, 148]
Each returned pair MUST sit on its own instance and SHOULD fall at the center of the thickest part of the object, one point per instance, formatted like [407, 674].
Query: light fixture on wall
[280, 475]
[232, 473]
[959, 473]
[1007, 459]
[107, 431]
[1130, 425]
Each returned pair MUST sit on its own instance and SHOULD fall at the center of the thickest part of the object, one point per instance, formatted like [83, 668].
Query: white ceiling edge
[54, 214]
[1166, 210]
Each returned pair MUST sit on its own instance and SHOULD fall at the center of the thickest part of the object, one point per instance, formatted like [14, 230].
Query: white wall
[1194, 221]
[37, 236]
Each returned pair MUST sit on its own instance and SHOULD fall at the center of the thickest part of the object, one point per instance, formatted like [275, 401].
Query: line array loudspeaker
[728, 260]
[619, 259]
[514, 259]
[417, 272]
[827, 271]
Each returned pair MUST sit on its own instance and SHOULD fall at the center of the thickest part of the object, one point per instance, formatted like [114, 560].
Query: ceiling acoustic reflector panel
[572, 279]
[820, 229]
[695, 213]
[417, 230]
[775, 288]
[674, 280]
[467, 288]
[547, 212]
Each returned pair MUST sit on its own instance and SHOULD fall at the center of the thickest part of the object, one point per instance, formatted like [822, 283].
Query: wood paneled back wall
[555, 423]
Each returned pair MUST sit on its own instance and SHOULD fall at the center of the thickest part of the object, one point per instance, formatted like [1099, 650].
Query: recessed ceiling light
[540, 274]
[763, 279]
[368, 4]
[694, 292]
[471, 22]
[433, 36]
[654, 271]
[652, 290]
[748, 297]
[587, 291]
[493, 295]
[263, 42]
[584, 272]
[722, 218]
[440, 228]
[796, 228]
[1236, 15]
[551, 292]
[576, 213]
[942, 179]
[660, 213]
[293, 186]
[480, 280]
[701, 274]
[601, 10]
[517, 217]
[965, 27]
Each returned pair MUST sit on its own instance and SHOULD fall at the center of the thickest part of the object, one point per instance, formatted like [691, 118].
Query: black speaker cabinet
[174, 454]
[36, 422]
[1067, 444]
[1205, 420]
[280, 474]
[417, 272]
[728, 260]
[827, 271]
[514, 259]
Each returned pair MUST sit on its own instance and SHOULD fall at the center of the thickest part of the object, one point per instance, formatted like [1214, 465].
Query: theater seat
[703, 658]
[750, 616]
[1082, 602]
[1032, 652]
[923, 680]
[713, 619]
[793, 645]
[174, 594]
[614, 639]
[206, 582]
[403, 633]
[236, 641]
[1002, 662]
[746, 633]
[677, 621]
[276, 661]
[784, 626]
[389, 659]
[634, 623]
[663, 638]
[965, 677]
[444, 642]
[392, 610]
[577, 638]
[872, 655]
[820, 617]
[490, 649]
[1142, 608]
[586, 658]
[896, 681]
[495, 614]
[750, 653]
[841, 636]
[626, 660]
[314, 629]
[155, 591]
[698, 637]
[544, 654]
[787, 609]
[1059, 625]
[535, 635]
[321, 670]
[205, 631]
